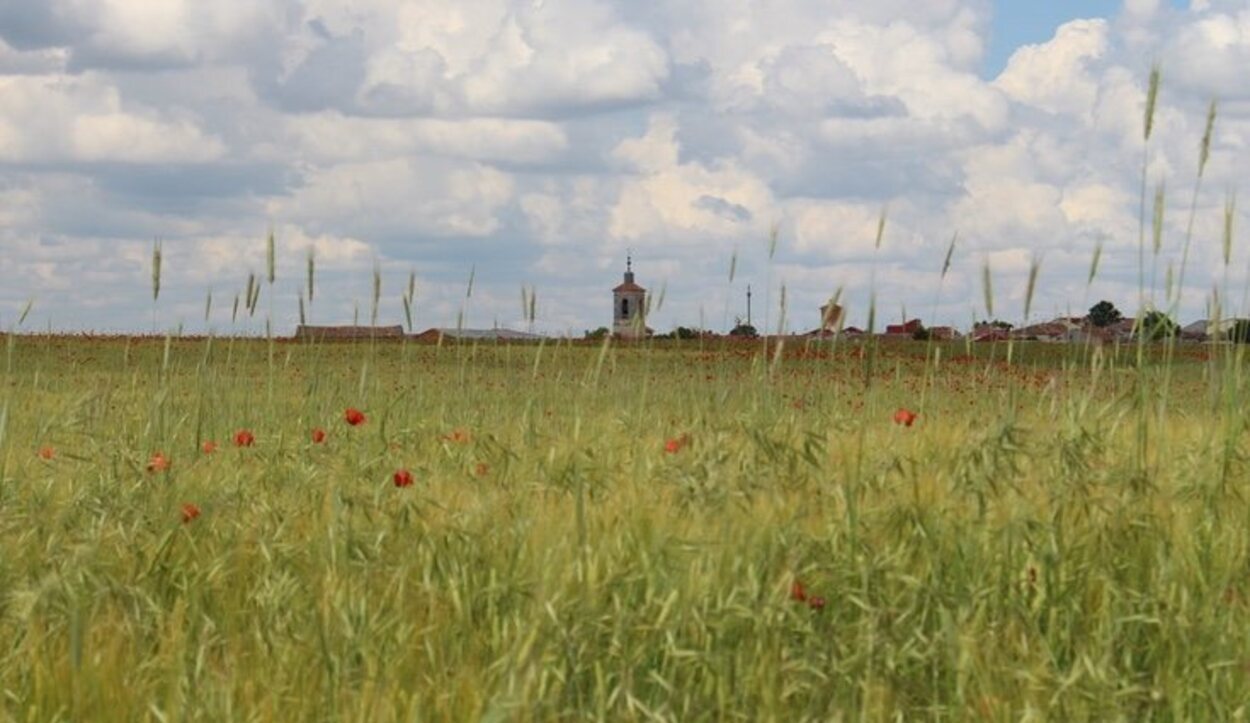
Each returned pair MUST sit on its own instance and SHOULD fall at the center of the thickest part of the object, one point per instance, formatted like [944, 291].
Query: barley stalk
[377, 294]
[270, 257]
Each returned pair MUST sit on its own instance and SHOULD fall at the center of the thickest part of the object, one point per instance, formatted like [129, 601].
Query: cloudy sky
[532, 142]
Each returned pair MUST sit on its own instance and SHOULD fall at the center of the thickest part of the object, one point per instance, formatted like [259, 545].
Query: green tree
[597, 333]
[1240, 332]
[1104, 314]
[1156, 325]
[744, 330]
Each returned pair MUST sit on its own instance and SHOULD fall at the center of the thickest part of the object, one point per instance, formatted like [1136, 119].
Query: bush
[1156, 325]
[1240, 332]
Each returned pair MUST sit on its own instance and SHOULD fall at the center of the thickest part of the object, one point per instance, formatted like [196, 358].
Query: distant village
[1104, 324]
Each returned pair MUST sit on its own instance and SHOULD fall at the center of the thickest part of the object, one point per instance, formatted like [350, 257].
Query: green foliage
[682, 333]
[597, 334]
[1239, 332]
[744, 330]
[1156, 326]
[1104, 314]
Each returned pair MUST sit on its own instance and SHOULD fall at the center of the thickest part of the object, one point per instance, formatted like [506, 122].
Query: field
[627, 532]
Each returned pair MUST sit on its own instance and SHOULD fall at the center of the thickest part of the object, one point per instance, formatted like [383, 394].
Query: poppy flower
[244, 438]
[46, 453]
[318, 435]
[459, 436]
[354, 416]
[674, 445]
[905, 417]
[402, 478]
[797, 592]
[816, 603]
[158, 463]
[190, 511]
[481, 469]
[209, 446]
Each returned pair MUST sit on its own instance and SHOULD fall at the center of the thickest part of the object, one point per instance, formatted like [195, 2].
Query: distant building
[830, 321]
[436, 335]
[1197, 331]
[1090, 334]
[1048, 331]
[990, 332]
[907, 329]
[629, 306]
[943, 333]
[1123, 330]
[830, 317]
[348, 333]
[1207, 329]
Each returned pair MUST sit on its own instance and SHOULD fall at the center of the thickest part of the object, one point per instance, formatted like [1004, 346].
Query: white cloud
[1055, 76]
[506, 57]
[331, 138]
[538, 139]
[1210, 55]
[410, 195]
[669, 202]
[57, 118]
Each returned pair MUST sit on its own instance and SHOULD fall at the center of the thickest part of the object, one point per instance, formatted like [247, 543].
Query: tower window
[625, 308]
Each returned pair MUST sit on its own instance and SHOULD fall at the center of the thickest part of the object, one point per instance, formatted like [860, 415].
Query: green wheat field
[690, 531]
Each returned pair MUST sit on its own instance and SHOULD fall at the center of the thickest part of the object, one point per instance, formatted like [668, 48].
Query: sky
[1029, 22]
[531, 144]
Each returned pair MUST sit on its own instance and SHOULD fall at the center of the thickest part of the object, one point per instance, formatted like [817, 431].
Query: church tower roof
[629, 285]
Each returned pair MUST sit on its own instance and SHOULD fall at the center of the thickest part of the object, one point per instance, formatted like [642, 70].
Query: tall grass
[987, 559]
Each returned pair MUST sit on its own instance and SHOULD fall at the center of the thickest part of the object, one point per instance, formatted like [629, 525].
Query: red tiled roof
[991, 334]
[304, 331]
[908, 328]
[629, 286]
[1050, 328]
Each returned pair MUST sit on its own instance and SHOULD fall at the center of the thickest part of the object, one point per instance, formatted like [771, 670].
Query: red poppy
[674, 445]
[816, 603]
[402, 478]
[459, 436]
[318, 435]
[209, 446]
[158, 463]
[797, 592]
[244, 438]
[905, 417]
[190, 511]
[46, 453]
[354, 416]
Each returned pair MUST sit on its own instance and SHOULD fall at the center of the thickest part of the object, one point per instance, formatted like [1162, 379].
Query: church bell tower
[629, 302]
